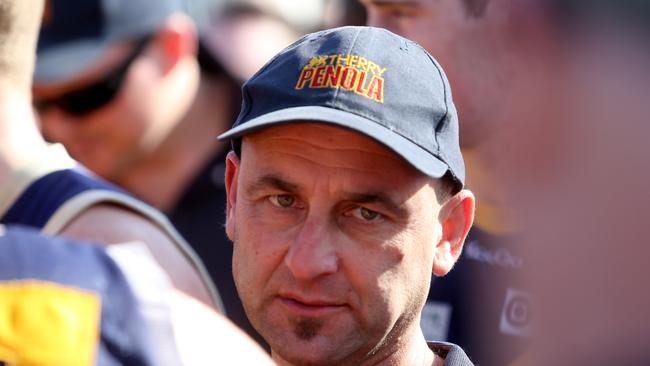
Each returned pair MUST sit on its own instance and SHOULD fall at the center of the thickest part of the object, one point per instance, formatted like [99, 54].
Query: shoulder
[110, 224]
[68, 289]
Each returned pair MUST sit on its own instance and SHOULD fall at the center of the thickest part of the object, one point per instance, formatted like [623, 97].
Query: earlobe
[231, 179]
[456, 218]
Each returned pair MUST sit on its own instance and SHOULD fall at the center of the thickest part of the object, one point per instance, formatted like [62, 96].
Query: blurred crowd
[129, 96]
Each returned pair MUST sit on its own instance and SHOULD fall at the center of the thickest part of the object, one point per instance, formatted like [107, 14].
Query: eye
[366, 214]
[283, 200]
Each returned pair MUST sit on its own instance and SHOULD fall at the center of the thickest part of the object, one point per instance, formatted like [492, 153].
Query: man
[41, 187]
[470, 38]
[127, 97]
[344, 195]
[77, 303]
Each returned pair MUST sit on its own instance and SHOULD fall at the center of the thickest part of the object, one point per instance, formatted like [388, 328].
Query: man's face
[335, 238]
[109, 138]
[468, 44]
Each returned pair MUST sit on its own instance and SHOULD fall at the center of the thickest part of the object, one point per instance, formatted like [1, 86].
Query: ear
[175, 41]
[232, 175]
[456, 218]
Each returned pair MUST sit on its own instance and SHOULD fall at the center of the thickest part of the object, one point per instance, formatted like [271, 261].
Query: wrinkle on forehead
[330, 146]
[333, 157]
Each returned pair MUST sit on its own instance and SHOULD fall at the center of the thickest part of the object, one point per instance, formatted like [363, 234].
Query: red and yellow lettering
[332, 76]
[376, 89]
[360, 82]
[317, 80]
[349, 78]
[306, 75]
[351, 72]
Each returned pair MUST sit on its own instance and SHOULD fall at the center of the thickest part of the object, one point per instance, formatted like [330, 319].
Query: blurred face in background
[110, 136]
[575, 163]
[120, 112]
[468, 38]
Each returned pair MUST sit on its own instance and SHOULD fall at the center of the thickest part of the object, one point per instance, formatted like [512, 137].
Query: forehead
[315, 156]
[327, 146]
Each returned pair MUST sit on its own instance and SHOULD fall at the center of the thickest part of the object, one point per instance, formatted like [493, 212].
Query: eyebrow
[379, 198]
[272, 181]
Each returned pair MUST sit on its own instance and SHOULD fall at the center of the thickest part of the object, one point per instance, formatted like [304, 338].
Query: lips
[300, 306]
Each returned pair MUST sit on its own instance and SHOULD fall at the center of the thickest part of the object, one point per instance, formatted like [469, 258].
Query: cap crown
[368, 72]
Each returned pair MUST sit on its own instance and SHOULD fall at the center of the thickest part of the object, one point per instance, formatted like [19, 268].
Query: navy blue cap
[366, 79]
[75, 33]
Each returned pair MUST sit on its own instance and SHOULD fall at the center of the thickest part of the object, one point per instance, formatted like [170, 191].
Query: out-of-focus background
[553, 100]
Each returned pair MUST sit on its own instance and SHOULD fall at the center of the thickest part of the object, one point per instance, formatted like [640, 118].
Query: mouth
[310, 307]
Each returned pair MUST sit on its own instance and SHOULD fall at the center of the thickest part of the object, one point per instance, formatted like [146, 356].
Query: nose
[312, 254]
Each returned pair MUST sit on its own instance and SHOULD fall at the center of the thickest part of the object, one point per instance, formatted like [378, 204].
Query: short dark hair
[446, 186]
[475, 8]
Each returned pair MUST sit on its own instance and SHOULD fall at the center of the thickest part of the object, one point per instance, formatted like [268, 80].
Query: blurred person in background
[574, 159]
[80, 299]
[47, 282]
[70, 302]
[470, 38]
[243, 35]
[41, 186]
[340, 13]
[119, 83]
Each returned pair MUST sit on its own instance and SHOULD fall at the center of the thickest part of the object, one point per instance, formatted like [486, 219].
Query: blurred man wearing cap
[119, 84]
[345, 192]
[42, 187]
[54, 318]
[470, 38]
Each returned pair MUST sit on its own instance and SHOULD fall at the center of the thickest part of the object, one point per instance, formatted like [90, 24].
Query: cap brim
[418, 157]
[64, 63]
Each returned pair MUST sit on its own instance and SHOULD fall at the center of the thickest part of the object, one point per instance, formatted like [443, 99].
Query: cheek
[398, 269]
[258, 251]
[394, 282]
[415, 268]
[135, 108]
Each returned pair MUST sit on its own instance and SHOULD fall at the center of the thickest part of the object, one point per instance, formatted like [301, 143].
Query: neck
[412, 349]
[19, 135]
[162, 176]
